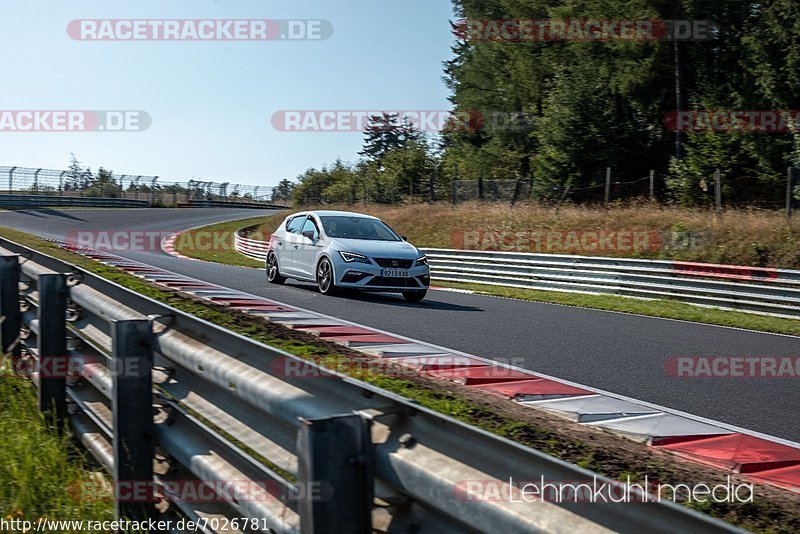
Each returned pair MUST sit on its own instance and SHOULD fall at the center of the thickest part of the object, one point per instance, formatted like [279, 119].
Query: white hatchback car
[339, 249]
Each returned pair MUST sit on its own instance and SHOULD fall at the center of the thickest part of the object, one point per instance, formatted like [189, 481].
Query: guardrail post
[132, 405]
[9, 306]
[52, 344]
[789, 192]
[335, 475]
[11, 180]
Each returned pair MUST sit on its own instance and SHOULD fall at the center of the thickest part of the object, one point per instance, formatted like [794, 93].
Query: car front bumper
[370, 277]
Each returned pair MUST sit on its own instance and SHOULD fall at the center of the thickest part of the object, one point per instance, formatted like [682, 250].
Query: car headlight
[350, 257]
[422, 261]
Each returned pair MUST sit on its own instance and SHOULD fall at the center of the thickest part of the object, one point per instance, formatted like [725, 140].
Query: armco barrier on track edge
[98, 296]
[666, 428]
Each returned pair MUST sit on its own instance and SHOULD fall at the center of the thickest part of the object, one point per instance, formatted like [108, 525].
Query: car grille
[393, 282]
[391, 262]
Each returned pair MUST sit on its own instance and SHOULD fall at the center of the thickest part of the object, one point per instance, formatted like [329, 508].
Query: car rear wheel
[414, 296]
[325, 277]
[273, 274]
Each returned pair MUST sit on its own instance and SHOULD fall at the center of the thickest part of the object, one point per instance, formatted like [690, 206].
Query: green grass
[41, 473]
[215, 243]
[667, 309]
[762, 515]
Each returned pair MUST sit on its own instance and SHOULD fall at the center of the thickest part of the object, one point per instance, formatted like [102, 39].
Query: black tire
[415, 296]
[273, 274]
[325, 281]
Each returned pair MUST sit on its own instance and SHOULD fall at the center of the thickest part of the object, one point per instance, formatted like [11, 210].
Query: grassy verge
[771, 511]
[668, 309]
[215, 243]
[41, 474]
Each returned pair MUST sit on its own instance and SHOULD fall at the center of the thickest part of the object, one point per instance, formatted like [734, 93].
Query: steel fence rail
[252, 248]
[771, 291]
[760, 290]
[82, 184]
[217, 406]
[40, 201]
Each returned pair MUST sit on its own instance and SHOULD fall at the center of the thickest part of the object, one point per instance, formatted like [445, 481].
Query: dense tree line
[592, 104]
[397, 161]
[595, 104]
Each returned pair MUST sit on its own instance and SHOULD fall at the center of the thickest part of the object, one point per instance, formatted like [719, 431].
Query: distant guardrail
[752, 289]
[229, 204]
[40, 201]
[332, 454]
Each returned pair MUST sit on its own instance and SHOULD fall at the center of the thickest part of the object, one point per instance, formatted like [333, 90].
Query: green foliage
[598, 104]
[41, 474]
[556, 114]
[385, 133]
[103, 184]
[397, 162]
[283, 191]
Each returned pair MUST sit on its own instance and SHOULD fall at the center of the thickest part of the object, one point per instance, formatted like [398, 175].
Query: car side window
[295, 224]
[311, 226]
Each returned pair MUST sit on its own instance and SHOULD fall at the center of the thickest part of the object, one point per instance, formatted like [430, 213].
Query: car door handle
[280, 243]
[295, 246]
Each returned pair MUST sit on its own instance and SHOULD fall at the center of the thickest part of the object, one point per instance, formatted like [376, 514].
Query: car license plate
[394, 273]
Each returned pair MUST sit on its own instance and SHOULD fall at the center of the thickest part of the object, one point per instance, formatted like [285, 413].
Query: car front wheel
[414, 296]
[273, 274]
[325, 277]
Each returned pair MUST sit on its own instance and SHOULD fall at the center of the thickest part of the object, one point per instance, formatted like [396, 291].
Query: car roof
[333, 213]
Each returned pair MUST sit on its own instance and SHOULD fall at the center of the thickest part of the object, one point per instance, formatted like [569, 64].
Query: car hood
[378, 249]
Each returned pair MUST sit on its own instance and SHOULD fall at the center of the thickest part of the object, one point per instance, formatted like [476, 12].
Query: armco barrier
[219, 409]
[40, 201]
[770, 291]
[252, 248]
[655, 425]
[230, 204]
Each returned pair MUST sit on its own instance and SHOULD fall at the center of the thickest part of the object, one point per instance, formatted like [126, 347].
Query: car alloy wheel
[273, 275]
[325, 277]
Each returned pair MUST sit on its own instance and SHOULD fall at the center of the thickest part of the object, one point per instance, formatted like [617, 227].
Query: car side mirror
[309, 234]
[404, 238]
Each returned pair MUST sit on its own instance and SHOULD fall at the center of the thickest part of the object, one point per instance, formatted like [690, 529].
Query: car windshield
[347, 227]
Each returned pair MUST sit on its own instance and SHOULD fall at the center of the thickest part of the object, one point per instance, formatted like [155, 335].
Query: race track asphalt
[620, 353]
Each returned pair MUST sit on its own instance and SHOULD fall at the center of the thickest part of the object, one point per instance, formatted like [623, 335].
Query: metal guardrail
[229, 204]
[252, 248]
[38, 201]
[771, 291]
[217, 407]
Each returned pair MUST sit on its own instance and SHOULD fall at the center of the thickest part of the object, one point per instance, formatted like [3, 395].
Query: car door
[291, 244]
[305, 257]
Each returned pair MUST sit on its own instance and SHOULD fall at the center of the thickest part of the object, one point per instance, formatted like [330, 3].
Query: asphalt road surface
[623, 354]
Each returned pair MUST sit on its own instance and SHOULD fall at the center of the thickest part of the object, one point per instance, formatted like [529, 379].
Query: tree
[598, 104]
[387, 132]
[103, 184]
[283, 191]
[73, 176]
